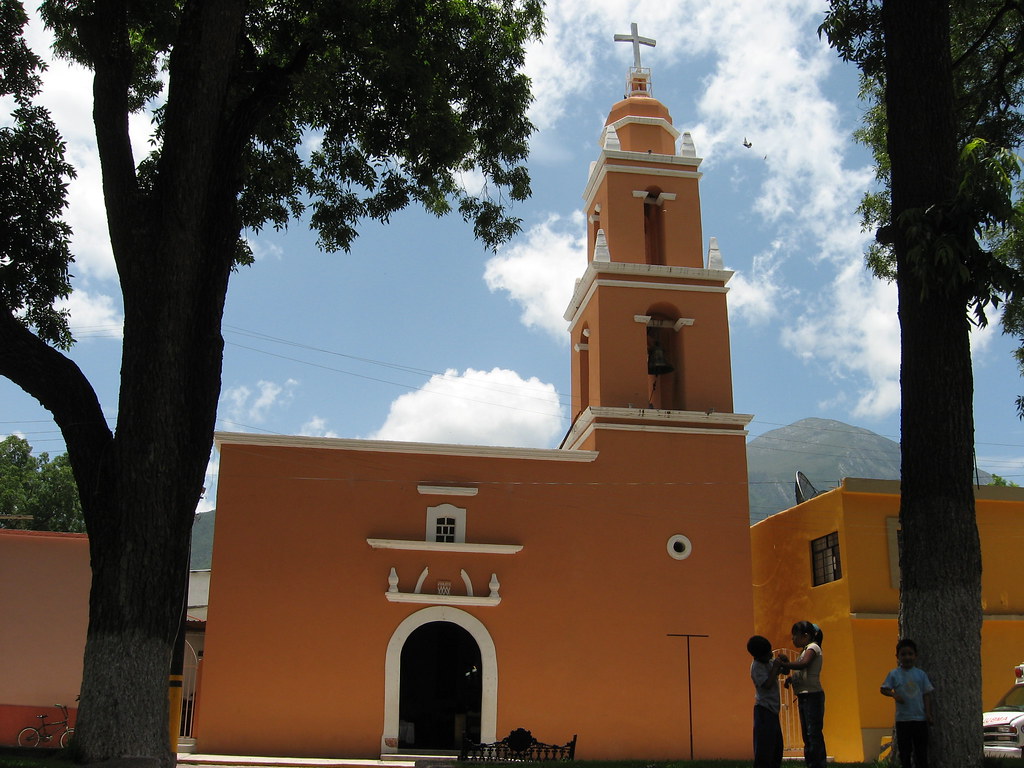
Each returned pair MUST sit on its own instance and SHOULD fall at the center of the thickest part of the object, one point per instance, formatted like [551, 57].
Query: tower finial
[634, 38]
[639, 80]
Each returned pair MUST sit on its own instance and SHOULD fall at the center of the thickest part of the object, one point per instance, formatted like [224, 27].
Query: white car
[1004, 723]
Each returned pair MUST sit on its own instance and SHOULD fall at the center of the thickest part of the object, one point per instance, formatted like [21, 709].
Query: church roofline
[654, 420]
[389, 446]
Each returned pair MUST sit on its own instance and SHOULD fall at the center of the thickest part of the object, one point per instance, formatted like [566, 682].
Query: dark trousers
[912, 743]
[812, 720]
[767, 738]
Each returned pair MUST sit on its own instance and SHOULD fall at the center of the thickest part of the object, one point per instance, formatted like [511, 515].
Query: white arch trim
[393, 670]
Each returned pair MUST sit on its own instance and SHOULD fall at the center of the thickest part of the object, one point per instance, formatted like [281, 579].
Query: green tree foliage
[988, 79]
[353, 109]
[945, 80]
[37, 488]
[1003, 482]
[334, 111]
[34, 253]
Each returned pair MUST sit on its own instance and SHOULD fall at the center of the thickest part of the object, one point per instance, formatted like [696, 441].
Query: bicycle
[32, 736]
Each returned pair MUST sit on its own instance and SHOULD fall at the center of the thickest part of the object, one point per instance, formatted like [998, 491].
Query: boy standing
[764, 671]
[912, 690]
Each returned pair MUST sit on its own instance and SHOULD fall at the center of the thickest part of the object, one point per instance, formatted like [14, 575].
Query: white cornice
[445, 546]
[603, 167]
[447, 490]
[384, 446]
[413, 597]
[655, 414]
[661, 122]
[653, 420]
[589, 281]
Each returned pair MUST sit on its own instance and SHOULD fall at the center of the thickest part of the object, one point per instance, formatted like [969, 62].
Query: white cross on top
[634, 38]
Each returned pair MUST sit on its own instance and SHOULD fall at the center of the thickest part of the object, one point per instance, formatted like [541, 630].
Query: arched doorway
[488, 672]
[440, 690]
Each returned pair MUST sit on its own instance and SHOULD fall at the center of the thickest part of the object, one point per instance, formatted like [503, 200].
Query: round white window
[679, 547]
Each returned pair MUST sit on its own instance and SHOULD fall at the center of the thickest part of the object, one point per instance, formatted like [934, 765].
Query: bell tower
[648, 318]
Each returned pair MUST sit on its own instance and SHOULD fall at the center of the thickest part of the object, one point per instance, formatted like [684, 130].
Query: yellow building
[834, 560]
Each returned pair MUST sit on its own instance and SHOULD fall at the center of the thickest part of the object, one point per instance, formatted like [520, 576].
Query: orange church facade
[376, 598]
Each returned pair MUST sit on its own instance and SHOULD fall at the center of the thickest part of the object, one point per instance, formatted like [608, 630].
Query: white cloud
[473, 181]
[317, 427]
[242, 404]
[984, 341]
[539, 270]
[799, 145]
[756, 296]
[578, 32]
[263, 248]
[852, 333]
[496, 407]
[93, 315]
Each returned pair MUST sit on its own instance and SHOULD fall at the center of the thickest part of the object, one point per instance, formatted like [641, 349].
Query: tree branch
[1009, 5]
[60, 386]
[110, 50]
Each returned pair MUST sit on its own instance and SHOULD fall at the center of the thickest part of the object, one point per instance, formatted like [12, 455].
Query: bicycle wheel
[65, 737]
[28, 737]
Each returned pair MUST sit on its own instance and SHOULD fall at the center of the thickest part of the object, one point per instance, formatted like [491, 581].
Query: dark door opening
[440, 693]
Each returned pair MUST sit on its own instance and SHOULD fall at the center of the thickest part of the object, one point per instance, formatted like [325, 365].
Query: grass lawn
[14, 757]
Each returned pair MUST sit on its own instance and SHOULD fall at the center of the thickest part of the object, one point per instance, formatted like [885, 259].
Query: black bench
[518, 746]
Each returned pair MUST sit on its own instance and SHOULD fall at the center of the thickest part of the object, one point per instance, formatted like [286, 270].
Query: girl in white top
[806, 683]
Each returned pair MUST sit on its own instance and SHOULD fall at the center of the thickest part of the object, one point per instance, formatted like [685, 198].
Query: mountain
[202, 540]
[825, 451]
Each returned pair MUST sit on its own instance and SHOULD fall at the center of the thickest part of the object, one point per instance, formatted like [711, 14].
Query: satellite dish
[804, 490]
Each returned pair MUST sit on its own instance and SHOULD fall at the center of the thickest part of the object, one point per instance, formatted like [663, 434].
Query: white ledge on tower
[611, 138]
[686, 146]
[601, 252]
[714, 255]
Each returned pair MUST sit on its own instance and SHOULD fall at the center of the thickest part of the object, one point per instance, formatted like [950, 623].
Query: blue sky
[421, 334]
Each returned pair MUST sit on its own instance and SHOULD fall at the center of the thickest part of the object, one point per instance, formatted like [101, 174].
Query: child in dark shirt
[764, 672]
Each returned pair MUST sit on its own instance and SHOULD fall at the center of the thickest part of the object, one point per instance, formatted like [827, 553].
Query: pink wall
[44, 602]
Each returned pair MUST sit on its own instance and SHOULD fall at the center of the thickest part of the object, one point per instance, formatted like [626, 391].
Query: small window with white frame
[825, 563]
[446, 523]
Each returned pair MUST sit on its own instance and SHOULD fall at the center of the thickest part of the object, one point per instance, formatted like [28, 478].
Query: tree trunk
[940, 557]
[140, 523]
[174, 245]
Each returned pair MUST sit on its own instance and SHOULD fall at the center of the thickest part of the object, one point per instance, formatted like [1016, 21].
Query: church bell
[657, 363]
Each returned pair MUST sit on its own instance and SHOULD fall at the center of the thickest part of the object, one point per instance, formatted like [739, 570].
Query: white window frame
[458, 514]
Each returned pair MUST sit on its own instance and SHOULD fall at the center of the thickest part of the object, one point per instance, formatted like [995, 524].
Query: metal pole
[689, 685]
